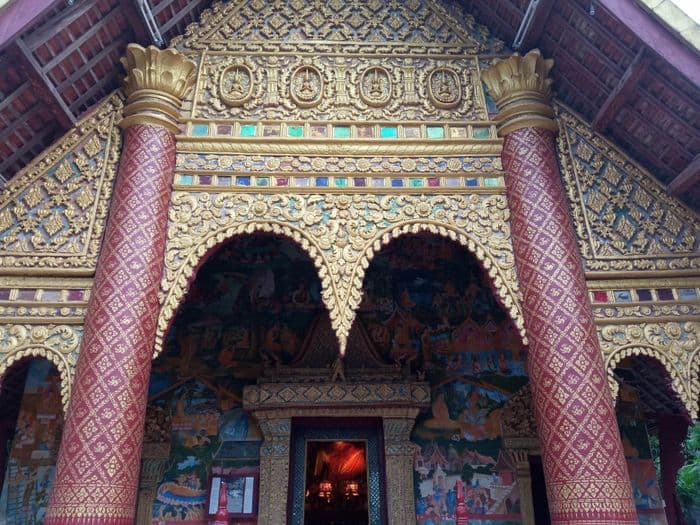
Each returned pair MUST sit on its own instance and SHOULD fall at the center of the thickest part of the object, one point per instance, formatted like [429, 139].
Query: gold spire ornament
[521, 88]
[156, 83]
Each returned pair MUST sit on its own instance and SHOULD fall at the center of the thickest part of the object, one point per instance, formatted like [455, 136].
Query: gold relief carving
[624, 219]
[399, 454]
[274, 467]
[674, 344]
[236, 85]
[57, 343]
[306, 86]
[607, 313]
[156, 83]
[376, 86]
[415, 26]
[53, 212]
[341, 234]
[378, 166]
[521, 88]
[444, 88]
[344, 87]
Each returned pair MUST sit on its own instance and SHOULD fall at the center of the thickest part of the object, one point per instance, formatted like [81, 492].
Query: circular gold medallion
[444, 88]
[236, 85]
[375, 86]
[306, 87]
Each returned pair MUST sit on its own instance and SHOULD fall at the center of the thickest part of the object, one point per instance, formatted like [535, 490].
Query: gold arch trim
[184, 273]
[341, 234]
[57, 344]
[675, 345]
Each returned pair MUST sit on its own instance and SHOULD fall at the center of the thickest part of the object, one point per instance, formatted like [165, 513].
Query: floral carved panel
[53, 213]
[623, 217]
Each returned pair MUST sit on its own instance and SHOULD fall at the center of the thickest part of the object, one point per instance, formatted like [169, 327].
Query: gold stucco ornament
[522, 89]
[157, 81]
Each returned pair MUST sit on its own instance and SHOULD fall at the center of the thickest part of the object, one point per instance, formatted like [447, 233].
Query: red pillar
[98, 464]
[672, 432]
[585, 470]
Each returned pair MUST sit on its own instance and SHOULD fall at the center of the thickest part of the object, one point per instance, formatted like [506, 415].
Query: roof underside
[65, 60]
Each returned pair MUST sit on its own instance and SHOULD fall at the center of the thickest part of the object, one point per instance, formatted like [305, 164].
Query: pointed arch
[506, 291]
[676, 375]
[200, 253]
[341, 234]
[25, 343]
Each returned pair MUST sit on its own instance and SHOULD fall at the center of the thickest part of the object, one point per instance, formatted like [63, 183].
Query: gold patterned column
[399, 453]
[98, 464]
[585, 470]
[274, 468]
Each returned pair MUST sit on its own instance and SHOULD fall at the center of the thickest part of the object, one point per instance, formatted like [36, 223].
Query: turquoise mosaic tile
[200, 130]
[248, 130]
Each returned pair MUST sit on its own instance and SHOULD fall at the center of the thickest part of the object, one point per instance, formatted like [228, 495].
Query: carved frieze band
[341, 234]
[279, 395]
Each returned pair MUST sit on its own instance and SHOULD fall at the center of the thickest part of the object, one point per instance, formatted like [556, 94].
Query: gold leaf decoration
[341, 234]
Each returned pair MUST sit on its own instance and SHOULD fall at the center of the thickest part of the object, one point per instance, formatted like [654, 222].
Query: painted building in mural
[347, 263]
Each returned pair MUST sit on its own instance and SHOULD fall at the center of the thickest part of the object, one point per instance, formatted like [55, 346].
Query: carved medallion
[375, 87]
[236, 85]
[444, 88]
[306, 87]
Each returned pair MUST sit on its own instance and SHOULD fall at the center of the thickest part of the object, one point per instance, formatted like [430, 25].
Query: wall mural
[426, 303]
[648, 497]
[31, 466]
[251, 306]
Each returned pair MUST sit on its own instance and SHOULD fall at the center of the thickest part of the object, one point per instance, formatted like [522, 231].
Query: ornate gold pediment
[53, 213]
[624, 219]
[403, 26]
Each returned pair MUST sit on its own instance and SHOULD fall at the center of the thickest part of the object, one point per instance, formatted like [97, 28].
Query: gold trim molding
[676, 345]
[340, 148]
[521, 88]
[57, 343]
[341, 234]
[156, 83]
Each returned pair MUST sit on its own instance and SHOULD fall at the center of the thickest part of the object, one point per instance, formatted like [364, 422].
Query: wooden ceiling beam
[652, 32]
[686, 179]
[136, 19]
[183, 12]
[80, 40]
[55, 25]
[147, 18]
[16, 17]
[619, 96]
[63, 113]
[532, 24]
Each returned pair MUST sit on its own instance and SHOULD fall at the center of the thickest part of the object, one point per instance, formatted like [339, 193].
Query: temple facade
[343, 263]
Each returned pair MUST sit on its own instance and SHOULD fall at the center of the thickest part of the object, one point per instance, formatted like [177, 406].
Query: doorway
[337, 475]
